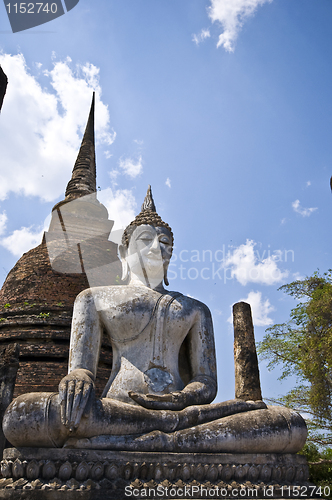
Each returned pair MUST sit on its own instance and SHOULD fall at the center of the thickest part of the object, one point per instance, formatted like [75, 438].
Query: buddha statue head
[147, 245]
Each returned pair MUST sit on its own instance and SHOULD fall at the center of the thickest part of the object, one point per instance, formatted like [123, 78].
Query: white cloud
[121, 206]
[41, 131]
[260, 309]
[113, 175]
[308, 183]
[131, 167]
[168, 182]
[108, 154]
[201, 36]
[74, 91]
[22, 240]
[298, 277]
[305, 212]
[247, 266]
[232, 14]
[3, 222]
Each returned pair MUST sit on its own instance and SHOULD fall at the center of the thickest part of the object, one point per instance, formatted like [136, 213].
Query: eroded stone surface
[247, 382]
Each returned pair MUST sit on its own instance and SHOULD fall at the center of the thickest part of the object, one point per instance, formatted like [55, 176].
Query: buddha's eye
[145, 237]
[164, 240]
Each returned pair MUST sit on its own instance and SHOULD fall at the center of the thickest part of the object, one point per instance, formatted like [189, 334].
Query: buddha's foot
[201, 414]
[156, 441]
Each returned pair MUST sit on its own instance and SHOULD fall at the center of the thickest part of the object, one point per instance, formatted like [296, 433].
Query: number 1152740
[31, 8]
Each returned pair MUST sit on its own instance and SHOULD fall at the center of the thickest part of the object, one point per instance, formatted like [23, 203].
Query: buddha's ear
[165, 275]
[123, 258]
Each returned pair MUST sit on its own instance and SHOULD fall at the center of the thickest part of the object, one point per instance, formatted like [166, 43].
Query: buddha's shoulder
[191, 304]
[114, 295]
[108, 291]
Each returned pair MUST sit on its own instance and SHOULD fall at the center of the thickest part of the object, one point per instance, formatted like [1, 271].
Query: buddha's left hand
[171, 401]
[200, 390]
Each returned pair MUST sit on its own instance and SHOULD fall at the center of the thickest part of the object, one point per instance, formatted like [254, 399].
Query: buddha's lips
[154, 257]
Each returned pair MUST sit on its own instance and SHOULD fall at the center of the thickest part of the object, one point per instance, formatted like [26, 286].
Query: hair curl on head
[148, 215]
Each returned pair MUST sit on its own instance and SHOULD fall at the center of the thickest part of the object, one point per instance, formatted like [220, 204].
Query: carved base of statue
[43, 473]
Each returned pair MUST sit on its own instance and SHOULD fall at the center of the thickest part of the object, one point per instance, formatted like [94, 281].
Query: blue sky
[223, 106]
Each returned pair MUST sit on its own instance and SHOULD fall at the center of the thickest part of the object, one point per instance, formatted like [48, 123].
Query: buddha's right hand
[74, 391]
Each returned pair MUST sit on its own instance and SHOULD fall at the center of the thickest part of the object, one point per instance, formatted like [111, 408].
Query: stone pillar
[8, 368]
[247, 382]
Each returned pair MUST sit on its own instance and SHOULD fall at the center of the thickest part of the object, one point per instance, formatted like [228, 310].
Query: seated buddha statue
[163, 380]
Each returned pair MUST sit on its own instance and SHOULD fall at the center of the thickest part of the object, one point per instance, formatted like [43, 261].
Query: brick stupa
[36, 300]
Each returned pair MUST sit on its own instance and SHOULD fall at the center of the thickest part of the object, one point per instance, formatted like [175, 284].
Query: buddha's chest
[146, 336]
[146, 321]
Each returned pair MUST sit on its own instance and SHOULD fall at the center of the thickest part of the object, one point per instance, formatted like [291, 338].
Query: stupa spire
[83, 180]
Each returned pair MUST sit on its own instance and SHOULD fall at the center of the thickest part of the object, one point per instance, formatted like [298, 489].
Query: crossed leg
[33, 420]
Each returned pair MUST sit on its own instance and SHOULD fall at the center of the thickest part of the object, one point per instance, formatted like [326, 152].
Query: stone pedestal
[59, 474]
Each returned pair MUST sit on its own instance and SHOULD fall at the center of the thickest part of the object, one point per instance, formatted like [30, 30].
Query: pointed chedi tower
[80, 227]
[83, 181]
[36, 300]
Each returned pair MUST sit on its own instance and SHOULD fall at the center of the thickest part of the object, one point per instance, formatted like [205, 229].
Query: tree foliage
[303, 347]
[320, 466]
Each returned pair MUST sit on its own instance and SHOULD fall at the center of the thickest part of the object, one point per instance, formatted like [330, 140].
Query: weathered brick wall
[32, 280]
[44, 376]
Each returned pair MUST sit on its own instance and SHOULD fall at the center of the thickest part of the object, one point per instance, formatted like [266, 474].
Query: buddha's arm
[202, 388]
[75, 388]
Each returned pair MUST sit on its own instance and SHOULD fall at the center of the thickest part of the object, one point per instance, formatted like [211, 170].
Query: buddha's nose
[155, 244]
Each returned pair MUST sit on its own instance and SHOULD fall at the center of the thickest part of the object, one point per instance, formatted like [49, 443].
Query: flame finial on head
[148, 215]
[148, 203]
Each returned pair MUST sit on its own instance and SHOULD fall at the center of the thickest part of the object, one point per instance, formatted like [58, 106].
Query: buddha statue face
[146, 248]
[148, 254]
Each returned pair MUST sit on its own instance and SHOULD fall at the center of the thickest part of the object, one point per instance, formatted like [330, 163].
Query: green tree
[303, 347]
